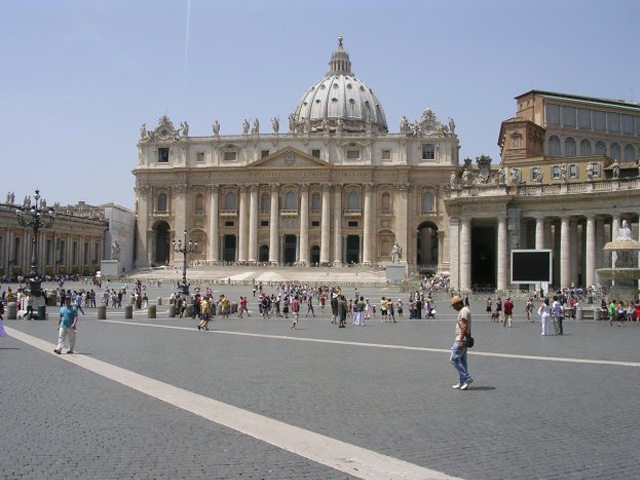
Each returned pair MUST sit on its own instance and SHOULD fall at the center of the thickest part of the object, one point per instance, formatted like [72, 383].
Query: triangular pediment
[289, 157]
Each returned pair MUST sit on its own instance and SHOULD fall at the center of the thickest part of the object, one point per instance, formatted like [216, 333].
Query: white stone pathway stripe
[474, 352]
[350, 459]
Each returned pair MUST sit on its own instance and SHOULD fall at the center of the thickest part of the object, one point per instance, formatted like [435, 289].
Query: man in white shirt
[459, 347]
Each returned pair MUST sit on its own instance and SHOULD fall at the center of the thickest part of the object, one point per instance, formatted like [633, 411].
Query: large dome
[339, 102]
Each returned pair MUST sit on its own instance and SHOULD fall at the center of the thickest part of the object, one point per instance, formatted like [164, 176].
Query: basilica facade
[338, 188]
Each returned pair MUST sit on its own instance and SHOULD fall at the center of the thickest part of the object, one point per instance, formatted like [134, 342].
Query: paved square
[540, 407]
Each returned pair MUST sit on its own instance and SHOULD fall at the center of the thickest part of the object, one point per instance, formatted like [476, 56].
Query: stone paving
[524, 418]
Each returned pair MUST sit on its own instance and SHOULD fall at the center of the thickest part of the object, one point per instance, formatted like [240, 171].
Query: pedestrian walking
[508, 313]
[459, 347]
[558, 315]
[295, 310]
[67, 326]
[545, 317]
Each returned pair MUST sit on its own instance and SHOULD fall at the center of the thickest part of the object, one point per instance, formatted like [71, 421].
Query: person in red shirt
[508, 312]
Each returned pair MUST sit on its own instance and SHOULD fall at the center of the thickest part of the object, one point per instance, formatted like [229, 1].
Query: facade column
[539, 232]
[465, 254]
[402, 215]
[367, 237]
[502, 254]
[575, 251]
[337, 225]
[273, 225]
[253, 223]
[590, 254]
[143, 192]
[454, 252]
[565, 253]
[214, 226]
[325, 235]
[303, 256]
[600, 241]
[242, 224]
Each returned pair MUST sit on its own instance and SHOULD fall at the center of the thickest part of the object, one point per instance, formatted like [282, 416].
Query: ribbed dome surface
[339, 101]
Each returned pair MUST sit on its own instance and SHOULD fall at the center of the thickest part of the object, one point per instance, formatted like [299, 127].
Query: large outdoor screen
[531, 266]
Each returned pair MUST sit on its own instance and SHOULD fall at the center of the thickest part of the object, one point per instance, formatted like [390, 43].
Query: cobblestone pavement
[527, 416]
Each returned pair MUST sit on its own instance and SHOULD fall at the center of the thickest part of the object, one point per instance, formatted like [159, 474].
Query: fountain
[622, 256]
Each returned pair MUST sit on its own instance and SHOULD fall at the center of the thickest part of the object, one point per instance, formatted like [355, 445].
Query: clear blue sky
[78, 78]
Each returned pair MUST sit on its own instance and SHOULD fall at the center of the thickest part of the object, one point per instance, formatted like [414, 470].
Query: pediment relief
[289, 158]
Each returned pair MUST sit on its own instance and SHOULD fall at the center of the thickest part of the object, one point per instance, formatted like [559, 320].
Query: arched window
[290, 201]
[629, 152]
[199, 203]
[554, 146]
[230, 201]
[386, 203]
[601, 148]
[353, 201]
[585, 147]
[570, 147]
[427, 202]
[315, 203]
[615, 151]
[265, 204]
[162, 203]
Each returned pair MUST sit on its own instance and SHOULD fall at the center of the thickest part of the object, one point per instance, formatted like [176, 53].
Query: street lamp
[185, 248]
[35, 215]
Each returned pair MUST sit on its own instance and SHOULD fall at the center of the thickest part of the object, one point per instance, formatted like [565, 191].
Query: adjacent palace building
[338, 188]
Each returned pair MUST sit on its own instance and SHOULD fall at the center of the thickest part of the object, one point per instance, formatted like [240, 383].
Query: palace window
[535, 173]
[315, 152]
[353, 201]
[229, 224]
[601, 148]
[627, 124]
[315, 223]
[599, 120]
[569, 147]
[585, 147]
[230, 202]
[613, 122]
[516, 141]
[629, 152]
[554, 146]
[199, 203]
[573, 171]
[555, 172]
[264, 223]
[553, 114]
[596, 169]
[353, 154]
[584, 118]
[315, 203]
[290, 201]
[428, 151]
[385, 206]
[264, 153]
[163, 155]
[386, 154]
[615, 151]
[200, 157]
[569, 116]
[265, 204]
[230, 156]
[427, 202]
[352, 224]
[161, 203]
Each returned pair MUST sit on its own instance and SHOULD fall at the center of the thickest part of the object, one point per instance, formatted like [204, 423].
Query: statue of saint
[563, 173]
[452, 127]
[245, 126]
[115, 250]
[404, 125]
[624, 231]
[143, 131]
[185, 129]
[589, 171]
[502, 176]
[216, 128]
[453, 181]
[256, 127]
[275, 123]
[396, 253]
[26, 203]
[616, 169]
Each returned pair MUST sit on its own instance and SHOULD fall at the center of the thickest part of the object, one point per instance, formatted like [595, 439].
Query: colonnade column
[539, 232]
[402, 214]
[575, 251]
[325, 225]
[465, 254]
[214, 227]
[337, 225]
[590, 254]
[454, 252]
[253, 223]
[304, 223]
[273, 225]
[565, 253]
[502, 253]
[242, 228]
[367, 238]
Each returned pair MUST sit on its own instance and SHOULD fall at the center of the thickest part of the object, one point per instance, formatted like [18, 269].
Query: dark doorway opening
[163, 244]
[229, 248]
[483, 258]
[315, 255]
[263, 254]
[290, 246]
[352, 254]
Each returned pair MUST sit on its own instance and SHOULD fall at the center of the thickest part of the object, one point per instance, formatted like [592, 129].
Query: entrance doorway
[315, 255]
[163, 244]
[352, 254]
[263, 254]
[483, 258]
[229, 248]
[427, 252]
[290, 247]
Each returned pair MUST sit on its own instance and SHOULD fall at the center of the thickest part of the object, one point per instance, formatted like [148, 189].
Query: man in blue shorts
[67, 327]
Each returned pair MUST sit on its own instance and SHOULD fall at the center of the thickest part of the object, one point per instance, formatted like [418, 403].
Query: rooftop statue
[245, 126]
[216, 128]
[275, 123]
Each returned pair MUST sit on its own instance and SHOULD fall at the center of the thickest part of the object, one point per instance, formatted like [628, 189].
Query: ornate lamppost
[35, 215]
[185, 248]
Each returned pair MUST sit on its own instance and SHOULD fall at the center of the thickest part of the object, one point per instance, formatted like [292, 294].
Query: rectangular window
[428, 151]
[555, 172]
[613, 122]
[584, 118]
[627, 124]
[230, 156]
[573, 171]
[517, 141]
[229, 224]
[596, 169]
[533, 173]
[599, 120]
[264, 223]
[386, 154]
[264, 153]
[569, 116]
[352, 224]
[315, 223]
[315, 153]
[163, 155]
[553, 114]
[353, 154]
[200, 157]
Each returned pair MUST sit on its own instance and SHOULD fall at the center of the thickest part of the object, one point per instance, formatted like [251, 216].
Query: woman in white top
[545, 317]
